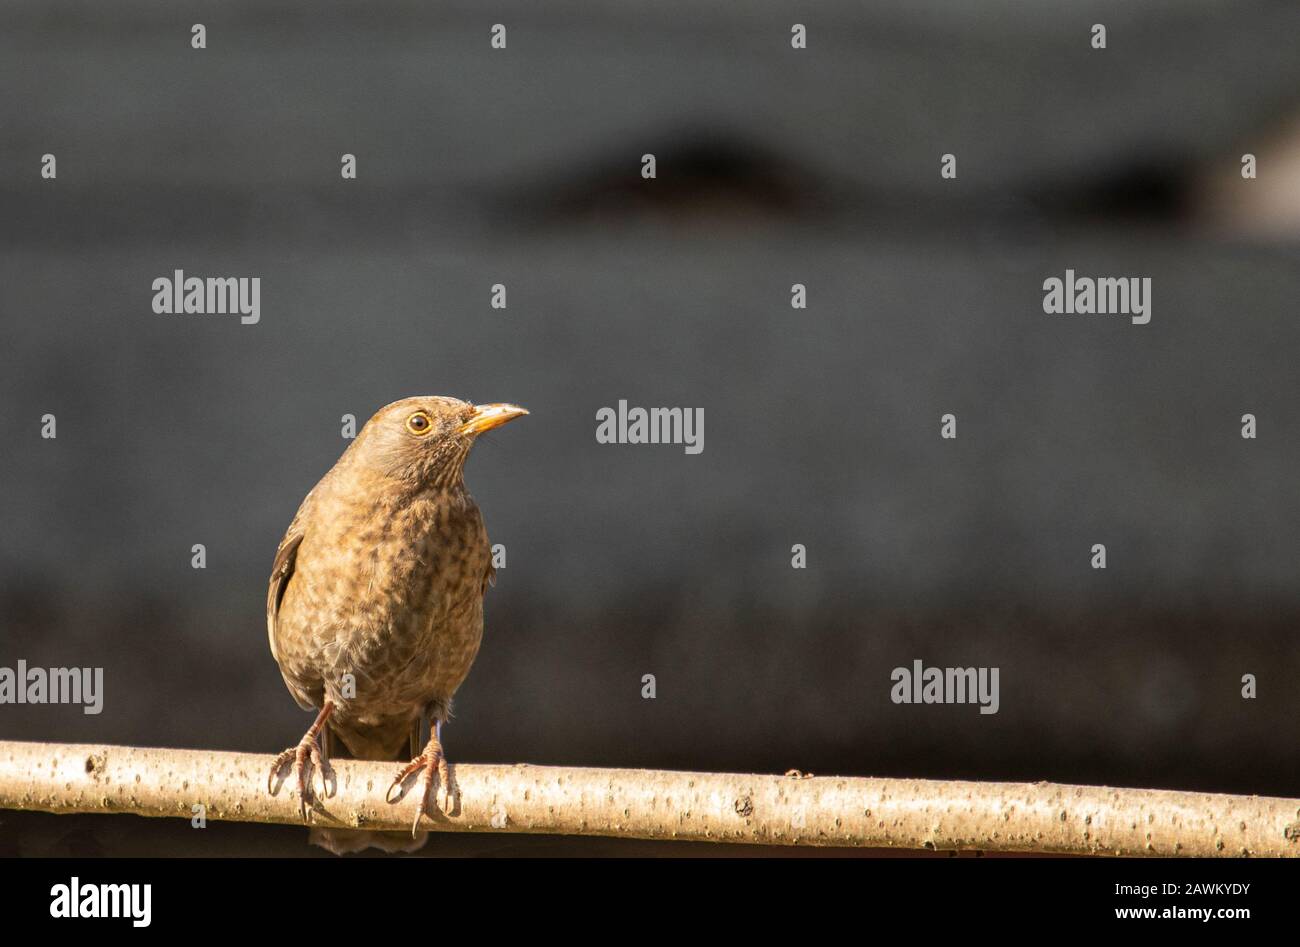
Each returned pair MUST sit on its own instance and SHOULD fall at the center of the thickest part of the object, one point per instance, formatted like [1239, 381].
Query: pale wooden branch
[650, 804]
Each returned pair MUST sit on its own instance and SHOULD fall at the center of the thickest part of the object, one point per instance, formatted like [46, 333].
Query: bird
[374, 608]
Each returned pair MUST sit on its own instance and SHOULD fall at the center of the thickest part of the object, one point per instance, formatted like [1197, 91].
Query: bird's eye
[419, 423]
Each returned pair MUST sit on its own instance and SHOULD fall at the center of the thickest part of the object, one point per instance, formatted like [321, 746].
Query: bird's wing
[285, 559]
[489, 577]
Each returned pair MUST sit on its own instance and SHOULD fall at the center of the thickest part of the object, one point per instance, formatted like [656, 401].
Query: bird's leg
[432, 760]
[327, 779]
[307, 749]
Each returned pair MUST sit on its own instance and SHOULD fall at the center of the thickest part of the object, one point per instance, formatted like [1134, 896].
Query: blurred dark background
[775, 166]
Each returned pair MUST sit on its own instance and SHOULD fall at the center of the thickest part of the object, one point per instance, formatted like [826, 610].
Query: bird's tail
[351, 841]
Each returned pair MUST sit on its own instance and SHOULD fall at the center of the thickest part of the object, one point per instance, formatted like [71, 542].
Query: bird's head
[424, 441]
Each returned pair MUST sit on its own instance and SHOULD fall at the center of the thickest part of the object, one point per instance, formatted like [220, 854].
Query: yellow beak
[488, 416]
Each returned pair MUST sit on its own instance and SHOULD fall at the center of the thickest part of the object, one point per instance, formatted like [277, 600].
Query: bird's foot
[306, 752]
[307, 749]
[432, 761]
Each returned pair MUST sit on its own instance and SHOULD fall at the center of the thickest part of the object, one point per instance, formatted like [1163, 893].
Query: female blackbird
[375, 605]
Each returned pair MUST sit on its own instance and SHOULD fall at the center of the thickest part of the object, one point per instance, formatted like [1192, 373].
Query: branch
[652, 804]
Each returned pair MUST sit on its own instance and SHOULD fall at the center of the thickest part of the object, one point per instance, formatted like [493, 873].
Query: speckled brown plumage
[375, 604]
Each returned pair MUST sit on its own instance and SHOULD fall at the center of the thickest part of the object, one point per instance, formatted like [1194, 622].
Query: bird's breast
[390, 593]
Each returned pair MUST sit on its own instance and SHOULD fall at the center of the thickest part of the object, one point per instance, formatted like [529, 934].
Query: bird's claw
[431, 761]
[307, 751]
